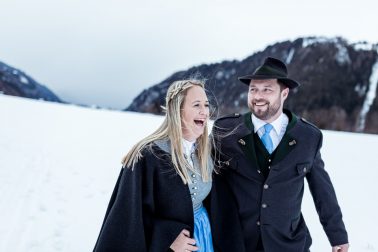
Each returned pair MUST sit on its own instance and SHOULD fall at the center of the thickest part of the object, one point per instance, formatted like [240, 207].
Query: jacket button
[227, 163]
[194, 188]
[269, 167]
[258, 223]
[304, 169]
[266, 186]
[258, 171]
[241, 141]
[264, 205]
[270, 160]
[193, 175]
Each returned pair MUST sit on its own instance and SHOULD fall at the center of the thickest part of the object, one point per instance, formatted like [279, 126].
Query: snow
[342, 56]
[360, 89]
[59, 164]
[290, 56]
[219, 75]
[24, 80]
[370, 96]
[224, 74]
[314, 40]
[363, 46]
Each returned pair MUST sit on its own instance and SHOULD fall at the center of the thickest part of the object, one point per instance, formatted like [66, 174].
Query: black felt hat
[271, 69]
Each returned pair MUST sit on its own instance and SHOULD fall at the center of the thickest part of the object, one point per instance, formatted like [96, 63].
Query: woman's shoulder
[162, 145]
[155, 152]
[149, 152]
[151, 159]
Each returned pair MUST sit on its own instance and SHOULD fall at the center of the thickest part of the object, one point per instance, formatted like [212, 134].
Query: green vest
[264, 159]
[257, 152]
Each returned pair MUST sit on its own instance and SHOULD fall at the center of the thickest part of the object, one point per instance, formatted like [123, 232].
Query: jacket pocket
[298, 228]
[294, 223]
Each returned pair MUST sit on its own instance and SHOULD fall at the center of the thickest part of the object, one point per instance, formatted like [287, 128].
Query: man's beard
[268, 113]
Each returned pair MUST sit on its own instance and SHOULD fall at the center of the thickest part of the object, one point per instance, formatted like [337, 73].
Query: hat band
[267, 71]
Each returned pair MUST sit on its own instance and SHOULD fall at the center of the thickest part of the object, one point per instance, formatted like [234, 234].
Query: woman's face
[194, 113]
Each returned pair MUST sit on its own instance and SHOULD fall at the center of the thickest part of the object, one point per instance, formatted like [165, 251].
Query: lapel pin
[293, 142]
[241, 141]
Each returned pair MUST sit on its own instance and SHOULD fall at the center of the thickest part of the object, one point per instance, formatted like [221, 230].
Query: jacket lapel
[246, 143]
[288, 142]
[245, 138]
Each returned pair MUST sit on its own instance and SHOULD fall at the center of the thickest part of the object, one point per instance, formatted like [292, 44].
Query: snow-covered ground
[59, 163]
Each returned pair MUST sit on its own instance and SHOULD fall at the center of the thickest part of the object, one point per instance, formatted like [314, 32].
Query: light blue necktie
[266, 139]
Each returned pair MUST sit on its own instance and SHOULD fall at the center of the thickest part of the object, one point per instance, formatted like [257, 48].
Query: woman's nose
[204, 111]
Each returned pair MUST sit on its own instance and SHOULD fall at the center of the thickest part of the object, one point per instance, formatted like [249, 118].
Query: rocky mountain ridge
[17, 83]
[338, 83]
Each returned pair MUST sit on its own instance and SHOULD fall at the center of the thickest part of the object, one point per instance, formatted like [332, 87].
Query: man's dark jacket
[244, 204]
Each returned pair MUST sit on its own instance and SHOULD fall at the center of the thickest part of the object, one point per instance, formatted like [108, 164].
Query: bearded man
[264, 157]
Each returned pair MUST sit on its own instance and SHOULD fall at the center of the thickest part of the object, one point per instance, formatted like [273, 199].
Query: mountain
[339, 83]
[15, 82]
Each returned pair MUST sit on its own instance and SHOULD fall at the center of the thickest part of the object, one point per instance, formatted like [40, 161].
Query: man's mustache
[260, 100]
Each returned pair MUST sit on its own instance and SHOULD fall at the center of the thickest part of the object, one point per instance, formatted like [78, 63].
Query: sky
[55, 184]
[106, 52]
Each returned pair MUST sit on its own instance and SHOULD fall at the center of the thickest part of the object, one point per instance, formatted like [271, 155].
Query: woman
[157, 201]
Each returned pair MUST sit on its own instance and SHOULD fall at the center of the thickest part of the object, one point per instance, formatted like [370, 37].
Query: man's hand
[341, 248]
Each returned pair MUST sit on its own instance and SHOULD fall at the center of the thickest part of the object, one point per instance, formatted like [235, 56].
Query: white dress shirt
[188, 148]
[278, 130]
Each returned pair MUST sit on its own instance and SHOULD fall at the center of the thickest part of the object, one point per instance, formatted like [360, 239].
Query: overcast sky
[106, 52]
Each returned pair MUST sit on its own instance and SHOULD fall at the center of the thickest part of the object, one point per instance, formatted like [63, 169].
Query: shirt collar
[188, 146]
[277, 124]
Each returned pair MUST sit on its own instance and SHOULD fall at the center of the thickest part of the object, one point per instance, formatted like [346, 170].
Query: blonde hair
[171, 129]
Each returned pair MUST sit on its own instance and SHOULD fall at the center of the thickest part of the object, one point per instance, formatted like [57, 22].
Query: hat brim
[286, 81]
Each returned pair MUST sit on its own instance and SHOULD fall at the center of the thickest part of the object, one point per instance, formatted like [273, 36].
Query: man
[263, 158]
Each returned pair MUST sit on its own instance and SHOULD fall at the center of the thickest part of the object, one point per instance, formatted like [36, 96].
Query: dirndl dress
[202, 231]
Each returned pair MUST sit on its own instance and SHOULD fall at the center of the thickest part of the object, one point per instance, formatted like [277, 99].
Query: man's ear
[285, 93]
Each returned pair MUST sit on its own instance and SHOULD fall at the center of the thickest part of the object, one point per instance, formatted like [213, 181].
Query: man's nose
[258, 95]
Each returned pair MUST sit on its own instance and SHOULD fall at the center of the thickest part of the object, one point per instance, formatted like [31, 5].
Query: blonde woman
[157, 201]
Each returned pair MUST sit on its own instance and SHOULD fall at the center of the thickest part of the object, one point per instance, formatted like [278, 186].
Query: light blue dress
[198, 191]
[202, 231]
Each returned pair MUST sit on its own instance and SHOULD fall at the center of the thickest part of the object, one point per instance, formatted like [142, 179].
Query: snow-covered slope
[59, 163]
